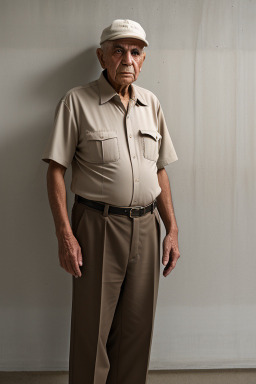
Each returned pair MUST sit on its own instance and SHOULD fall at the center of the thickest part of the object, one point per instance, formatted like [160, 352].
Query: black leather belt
[128, 211]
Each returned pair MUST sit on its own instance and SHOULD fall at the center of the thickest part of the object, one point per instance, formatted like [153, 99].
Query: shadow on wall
[30, 269]
[79, 70]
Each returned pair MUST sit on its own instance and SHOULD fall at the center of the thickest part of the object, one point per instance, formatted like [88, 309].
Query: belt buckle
[138, 209]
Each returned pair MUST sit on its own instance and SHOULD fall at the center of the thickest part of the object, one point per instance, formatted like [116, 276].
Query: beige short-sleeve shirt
[114, 153]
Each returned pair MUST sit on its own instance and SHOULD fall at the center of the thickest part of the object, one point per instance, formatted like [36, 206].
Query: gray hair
[105, 45]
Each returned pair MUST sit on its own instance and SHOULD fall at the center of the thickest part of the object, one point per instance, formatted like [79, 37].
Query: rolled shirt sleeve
[63, 139]
[167, 153]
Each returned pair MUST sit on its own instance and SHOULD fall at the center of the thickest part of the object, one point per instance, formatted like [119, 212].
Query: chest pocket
[101, 147]
[150, 144]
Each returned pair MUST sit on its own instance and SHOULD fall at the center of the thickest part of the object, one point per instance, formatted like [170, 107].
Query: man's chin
[125, 79]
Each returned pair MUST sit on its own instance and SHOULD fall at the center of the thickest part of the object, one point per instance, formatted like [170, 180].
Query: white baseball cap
[120, 29]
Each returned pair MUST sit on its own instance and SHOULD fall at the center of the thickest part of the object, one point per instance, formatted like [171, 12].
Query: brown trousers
[114, 301]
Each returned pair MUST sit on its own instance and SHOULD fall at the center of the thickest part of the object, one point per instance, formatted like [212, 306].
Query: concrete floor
[222, 376]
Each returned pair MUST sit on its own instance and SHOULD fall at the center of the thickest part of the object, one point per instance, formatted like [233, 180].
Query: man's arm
[164, 204]
[69, 250]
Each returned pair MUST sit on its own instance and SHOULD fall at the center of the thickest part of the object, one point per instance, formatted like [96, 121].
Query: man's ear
[99, 53]
[143, 58]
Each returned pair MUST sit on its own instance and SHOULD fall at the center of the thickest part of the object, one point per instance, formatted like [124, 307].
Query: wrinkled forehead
[126, 43]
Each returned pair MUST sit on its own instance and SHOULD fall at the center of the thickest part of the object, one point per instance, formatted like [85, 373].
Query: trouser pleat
[130, 338]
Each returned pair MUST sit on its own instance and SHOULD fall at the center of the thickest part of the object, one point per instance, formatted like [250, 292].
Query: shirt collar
[137, 96]
[107, 92]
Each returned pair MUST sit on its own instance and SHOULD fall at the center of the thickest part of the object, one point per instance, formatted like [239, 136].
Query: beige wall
[201, 65]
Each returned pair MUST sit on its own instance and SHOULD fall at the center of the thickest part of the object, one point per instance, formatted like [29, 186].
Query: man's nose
[127, 58]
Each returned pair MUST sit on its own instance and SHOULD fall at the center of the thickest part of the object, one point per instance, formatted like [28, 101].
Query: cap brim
[124, 36]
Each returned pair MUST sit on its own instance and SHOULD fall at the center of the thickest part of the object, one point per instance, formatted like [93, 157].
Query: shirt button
[127, 116]
[134, 157]
[130, 135]
[136, 179]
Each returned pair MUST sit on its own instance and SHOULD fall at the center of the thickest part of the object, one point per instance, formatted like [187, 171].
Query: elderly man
[115, 136]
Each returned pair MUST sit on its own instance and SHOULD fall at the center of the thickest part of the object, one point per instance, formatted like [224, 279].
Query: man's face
[123, 59]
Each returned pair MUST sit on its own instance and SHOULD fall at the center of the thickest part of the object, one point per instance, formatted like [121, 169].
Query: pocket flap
[101, 135]
[156, 135]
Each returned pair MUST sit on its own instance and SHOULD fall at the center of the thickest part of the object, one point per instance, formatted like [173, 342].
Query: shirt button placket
[134, 162]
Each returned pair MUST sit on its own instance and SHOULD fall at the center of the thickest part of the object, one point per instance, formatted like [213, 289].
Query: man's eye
[135, 53]
[118, 50]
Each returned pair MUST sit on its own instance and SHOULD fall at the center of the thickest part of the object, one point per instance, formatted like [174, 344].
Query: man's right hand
[69, 250]
[70, 254]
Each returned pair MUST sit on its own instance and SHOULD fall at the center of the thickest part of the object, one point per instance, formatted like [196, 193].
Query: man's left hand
[170, 252]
